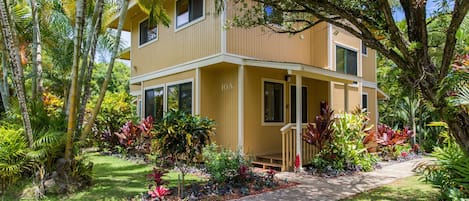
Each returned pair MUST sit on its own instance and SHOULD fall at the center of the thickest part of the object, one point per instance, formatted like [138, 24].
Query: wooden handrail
[291, 126]
[289, 146]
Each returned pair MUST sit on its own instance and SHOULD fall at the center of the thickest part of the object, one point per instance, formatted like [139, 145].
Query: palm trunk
[88, 65]
[37, 87]
[72, 113]
[102, 94]
[4, 89]
[11, 41]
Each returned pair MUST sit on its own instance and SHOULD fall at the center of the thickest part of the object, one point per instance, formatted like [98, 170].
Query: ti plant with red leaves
[321, 133]
[136, 139]
[157, 176]
[388, 139]
[159, 191]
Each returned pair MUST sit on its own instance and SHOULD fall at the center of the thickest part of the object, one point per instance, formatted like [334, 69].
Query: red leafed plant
[157, 175]
[388, 138]
[136, 139]
[159, 192]
[322, 133]
[297, 162]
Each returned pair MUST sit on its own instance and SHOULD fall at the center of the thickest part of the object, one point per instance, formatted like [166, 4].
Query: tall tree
[73, 99]
[409, 48]
[10, 39]
[37, 86]
[4, 88]
[115, 51]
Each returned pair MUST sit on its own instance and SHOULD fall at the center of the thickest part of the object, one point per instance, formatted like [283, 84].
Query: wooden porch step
[265, 164]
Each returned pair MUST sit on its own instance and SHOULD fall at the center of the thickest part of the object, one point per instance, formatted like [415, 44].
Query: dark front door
[304, 97]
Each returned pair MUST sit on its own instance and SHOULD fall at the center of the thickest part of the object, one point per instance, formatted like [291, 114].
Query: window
[180, 97]
[273, 102]
[154, 103]
[365, 101]
[147, 33]
[304, 103]
[188, 11]
[364, 49]
[346, 61]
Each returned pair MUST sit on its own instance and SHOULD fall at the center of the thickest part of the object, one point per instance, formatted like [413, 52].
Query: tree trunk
[458, 125]
[72, 113]
[102, 94]
[37, 87]
[88, 65]
[11, 41]
[4, 89]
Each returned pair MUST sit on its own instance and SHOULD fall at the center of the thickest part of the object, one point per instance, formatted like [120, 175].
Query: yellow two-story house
[254, 83]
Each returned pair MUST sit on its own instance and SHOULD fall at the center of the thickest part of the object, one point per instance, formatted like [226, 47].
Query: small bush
[13, 149]
[391, 141]
[226, 166]
[135, 140]
[346, 150]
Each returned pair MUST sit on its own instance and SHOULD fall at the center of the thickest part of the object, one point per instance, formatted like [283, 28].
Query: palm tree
[102, 94]
[72, 103]
[10, 39]
[36, 51]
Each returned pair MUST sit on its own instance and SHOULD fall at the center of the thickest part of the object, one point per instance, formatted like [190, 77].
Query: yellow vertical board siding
[346, 40]
[369, 66]
[134, 87]
[354, 98]
[260, 139]
[173, 78]
[372, 105]
[219, 101]
[172, 47]
[319, 43]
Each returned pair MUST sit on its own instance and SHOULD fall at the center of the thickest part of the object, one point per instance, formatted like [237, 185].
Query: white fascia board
[330, 73]
[369, 84]
[272, 64]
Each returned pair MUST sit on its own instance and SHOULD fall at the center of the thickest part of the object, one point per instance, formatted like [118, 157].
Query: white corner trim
[197, 90]
[241, 108]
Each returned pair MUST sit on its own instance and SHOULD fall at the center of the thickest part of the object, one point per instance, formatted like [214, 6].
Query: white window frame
[336, 44]
[191, 80]
[144, 97]
[263, 123]
[307, 99]
[176, 28]
[150, 41]
[367, 101]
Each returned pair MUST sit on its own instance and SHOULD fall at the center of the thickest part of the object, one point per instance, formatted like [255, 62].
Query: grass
[113, 179]
[410, 188]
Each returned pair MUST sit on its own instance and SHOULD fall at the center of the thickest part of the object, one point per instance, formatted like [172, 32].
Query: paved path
[318, 188]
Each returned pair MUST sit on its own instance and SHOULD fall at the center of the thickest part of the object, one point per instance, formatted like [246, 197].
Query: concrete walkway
[319, 188]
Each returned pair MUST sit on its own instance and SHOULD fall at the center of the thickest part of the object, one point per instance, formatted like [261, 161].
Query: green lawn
[410, 188]
[113, 179]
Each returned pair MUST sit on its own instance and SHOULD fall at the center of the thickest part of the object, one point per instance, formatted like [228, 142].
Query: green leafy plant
[390, 139]
[181, 137]
[346, 150]
[226, 166]
[450, 171]
[13, 162]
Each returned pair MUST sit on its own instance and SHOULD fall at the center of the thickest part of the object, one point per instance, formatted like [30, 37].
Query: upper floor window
[273, 102]
[180, 97]
[147, 33]
[364, 49]
[188, 11]
[346, 60]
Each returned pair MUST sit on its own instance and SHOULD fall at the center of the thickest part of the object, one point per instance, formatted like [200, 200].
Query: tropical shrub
[346, 150]
[116, 110]
[226, 166]
[450, 172]
[322, 132]
[390, 139]
[13, 150]
[136, 139]
[181, 137]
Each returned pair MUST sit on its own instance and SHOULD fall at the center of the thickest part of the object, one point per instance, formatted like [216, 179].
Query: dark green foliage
[226, 166]
[182, 136]
[346, 151]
